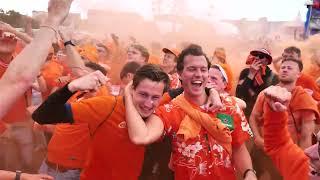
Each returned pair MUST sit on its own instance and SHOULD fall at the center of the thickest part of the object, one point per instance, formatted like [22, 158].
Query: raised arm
[75, 61]
[55, 110]
[25, 67]
[289, 159]
[141, 132]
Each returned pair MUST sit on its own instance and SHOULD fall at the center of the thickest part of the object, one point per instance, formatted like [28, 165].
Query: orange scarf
[190, 126]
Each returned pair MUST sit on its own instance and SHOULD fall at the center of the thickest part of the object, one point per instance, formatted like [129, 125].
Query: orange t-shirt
[199, 157]
[299, 96]
[111, 155]
[18, 112]
[70, 142]
[289, 159]
[307, 82]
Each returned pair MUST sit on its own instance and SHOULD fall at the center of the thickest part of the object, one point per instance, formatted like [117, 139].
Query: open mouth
[196, 83]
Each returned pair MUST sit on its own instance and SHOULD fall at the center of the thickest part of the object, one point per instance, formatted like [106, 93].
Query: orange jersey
[300, 101]
[289, 159]
[199, 158]
[69, 144]
[111, 155]
[307, 82]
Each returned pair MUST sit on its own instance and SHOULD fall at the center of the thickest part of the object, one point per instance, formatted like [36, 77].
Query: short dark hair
[152, 72]
[142, 49]
[293, 49]
[129, 67]
[96, 67]
[294, 60]
[192, 49]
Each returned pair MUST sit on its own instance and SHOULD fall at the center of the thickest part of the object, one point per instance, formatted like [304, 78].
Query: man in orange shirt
[135, 52]
[169, 66]
[288, 158]
[306, 81]
[205, 145]
[111, 155]
[157, 155]
[302, 112]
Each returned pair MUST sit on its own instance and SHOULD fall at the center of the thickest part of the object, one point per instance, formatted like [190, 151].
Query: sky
[275, 10]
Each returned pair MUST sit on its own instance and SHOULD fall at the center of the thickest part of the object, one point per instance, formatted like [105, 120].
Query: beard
[286, 81]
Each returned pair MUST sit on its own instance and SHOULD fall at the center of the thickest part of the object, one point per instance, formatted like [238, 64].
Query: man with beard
[302, 111]
[305, 80]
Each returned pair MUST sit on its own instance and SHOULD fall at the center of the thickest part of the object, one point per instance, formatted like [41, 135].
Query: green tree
[15, 19]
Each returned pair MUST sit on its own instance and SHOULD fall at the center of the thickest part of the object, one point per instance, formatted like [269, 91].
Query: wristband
[18, 175]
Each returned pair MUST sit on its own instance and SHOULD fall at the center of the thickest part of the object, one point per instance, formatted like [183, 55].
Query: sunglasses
[260, 56]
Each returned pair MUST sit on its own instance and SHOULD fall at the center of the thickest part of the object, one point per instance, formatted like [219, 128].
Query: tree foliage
[15, 19]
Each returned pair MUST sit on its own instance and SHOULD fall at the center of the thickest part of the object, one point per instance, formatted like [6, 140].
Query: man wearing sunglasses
[305, 80]
[255, 78]
[252, 81]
